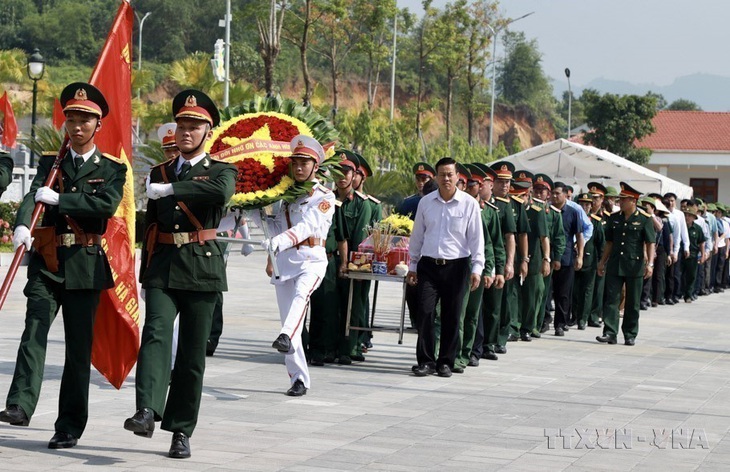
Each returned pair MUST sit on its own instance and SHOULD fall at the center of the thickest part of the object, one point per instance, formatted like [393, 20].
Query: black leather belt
[442, 262]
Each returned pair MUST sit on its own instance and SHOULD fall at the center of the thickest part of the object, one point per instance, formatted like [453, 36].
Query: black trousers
[719, 268]
[563, 294]
[447, 284]
[658, 277]
[678, 289]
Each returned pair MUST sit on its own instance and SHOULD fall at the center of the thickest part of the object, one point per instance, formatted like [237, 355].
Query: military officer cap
[463, 172]
[611, 192]
[504, 170]
[489, 173]
[519, 188]
[585, 198]
[347, 158]
[363, 167]
[596, 188]
[542, 180]
[306, 146]
[424, 168]
[523, 176]
[84, 97]
[477, 173]
[166, 134]
[196, 105]
[627, 191]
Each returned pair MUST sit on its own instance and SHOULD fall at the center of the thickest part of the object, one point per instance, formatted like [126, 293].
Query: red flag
[58, 117]
[116, 329]
[10, 126]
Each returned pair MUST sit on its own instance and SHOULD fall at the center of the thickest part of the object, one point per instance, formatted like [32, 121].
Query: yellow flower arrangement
[402, 224]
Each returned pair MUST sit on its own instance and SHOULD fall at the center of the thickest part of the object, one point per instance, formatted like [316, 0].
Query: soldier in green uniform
[68, 267]
[324, 323]
[541, 189]
[531, 288]
[597, 192]
[518, 271]
[626, 261]
[182, 271]
[6, 171]
[585, 278]
[696, 253]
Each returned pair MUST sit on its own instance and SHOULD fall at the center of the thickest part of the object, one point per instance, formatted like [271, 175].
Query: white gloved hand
[21, 236]
[266, 244]
[155, 191]
[46, 195]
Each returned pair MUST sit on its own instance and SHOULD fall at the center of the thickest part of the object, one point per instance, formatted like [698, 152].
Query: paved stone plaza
[661, 405]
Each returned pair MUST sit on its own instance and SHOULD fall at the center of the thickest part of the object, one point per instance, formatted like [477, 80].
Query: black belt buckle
[440, 262]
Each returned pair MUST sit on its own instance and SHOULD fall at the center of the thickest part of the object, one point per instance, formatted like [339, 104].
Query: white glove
[46, 195]
[266, 244]
[155, 191]
[143, 295]
[21, 236]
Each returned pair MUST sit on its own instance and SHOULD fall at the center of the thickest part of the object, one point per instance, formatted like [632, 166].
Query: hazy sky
[639, 41]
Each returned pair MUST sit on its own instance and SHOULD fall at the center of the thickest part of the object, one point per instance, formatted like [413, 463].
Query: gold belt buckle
[68, 239]
[180, 238]
[440, 262]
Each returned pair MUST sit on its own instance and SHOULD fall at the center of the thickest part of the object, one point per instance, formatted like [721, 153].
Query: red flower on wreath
[253, 176]
[279, 130]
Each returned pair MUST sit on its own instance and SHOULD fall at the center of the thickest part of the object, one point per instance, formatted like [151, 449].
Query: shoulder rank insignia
[644, 213]
[338, 203]
[536, 207]
[49, 154]
[169, 161]
[517, 199]
[538, 200]
[323, 206]
[492, 205]
[374, 199]
[596, 217]
[552, 207]
[361, 195]
[118, 160]
[505, 200]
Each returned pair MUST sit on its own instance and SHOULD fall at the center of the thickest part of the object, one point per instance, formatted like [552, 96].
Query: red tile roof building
[689, 131]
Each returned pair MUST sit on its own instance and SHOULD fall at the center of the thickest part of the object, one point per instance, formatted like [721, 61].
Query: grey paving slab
[375, 416]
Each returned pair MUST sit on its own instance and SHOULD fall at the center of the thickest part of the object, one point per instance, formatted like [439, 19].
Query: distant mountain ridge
[709, 91]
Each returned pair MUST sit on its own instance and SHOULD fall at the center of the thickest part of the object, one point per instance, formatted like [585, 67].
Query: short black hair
[445, 161]
[688, 202]
[430, 186]
[670, 195]
[560, 185]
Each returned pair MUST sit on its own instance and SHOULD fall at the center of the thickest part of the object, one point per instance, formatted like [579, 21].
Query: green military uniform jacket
[357, 212]
[628, 237]
[593, 249]
[6, 171]
[506, 218]
[492, 229]
[90, 197]
[696, 237]
[336, 232]
[205, 190]
[538, 230]
[556, 234]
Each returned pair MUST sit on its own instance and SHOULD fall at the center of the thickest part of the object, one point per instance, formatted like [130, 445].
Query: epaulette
[517, 199]
[116, 159]
[164, 163]
[537, 200]
[492, 205]
[556, 209]
[374, 199]
[338, 203]
[217, 160]
[596, 217]
[505, 200]
[49, 154]
[536, 207]
[361, 195]
[322, 188]
[644, 213]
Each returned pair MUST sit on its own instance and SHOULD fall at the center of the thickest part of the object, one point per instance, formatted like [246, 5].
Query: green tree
[682, 104]
[617, 122]
[521, 79]
[270, 41]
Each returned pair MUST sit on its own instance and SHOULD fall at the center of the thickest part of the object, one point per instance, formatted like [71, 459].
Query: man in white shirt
[681, 240]
[445, 246]
[722, 249]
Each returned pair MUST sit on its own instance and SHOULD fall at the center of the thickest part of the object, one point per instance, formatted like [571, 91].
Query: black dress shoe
[643, 307]
[593, 324]
[15, 415]
[500, 349]
[444, 371]
[423, 370]
[661, 302]
[581, 326]
[511, 338]
[688, 300]
[559, 332]
[209, 349]
[606, 339]
[525, 337]
[358, 358]
[544, 328]
[489, 355]
[282, 343]
[669, 301]
[142, 423]
[344, 360]
[536, 334]
[654, 304]
[566, 328]
[675, 300]
[630, 341]
[297, 390]
[62, 440]
[457, 369]
[180, 447]
[317, 361]
[473, 361]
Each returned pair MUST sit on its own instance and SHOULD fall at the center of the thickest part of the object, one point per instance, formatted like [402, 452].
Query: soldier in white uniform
[301, 231]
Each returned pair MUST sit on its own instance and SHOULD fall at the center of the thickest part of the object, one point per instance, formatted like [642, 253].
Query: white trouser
[293, 298]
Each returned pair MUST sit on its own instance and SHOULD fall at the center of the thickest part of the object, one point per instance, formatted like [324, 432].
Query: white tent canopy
[577, 164]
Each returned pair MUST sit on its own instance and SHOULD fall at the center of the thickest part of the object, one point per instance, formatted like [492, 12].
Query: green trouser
[153, 364]
[491, 310]
[468, 322]
[508, 316]
[542, 306]
[583, 295]
[44, 298]
[630, 325]
[216, 328]
[325, 316]
[689, 275]
[598, 296]
[530, 293]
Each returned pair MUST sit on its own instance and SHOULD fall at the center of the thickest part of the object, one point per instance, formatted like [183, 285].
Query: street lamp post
[494, 73]
[139, 56]
[570, 100]
[36, 68]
